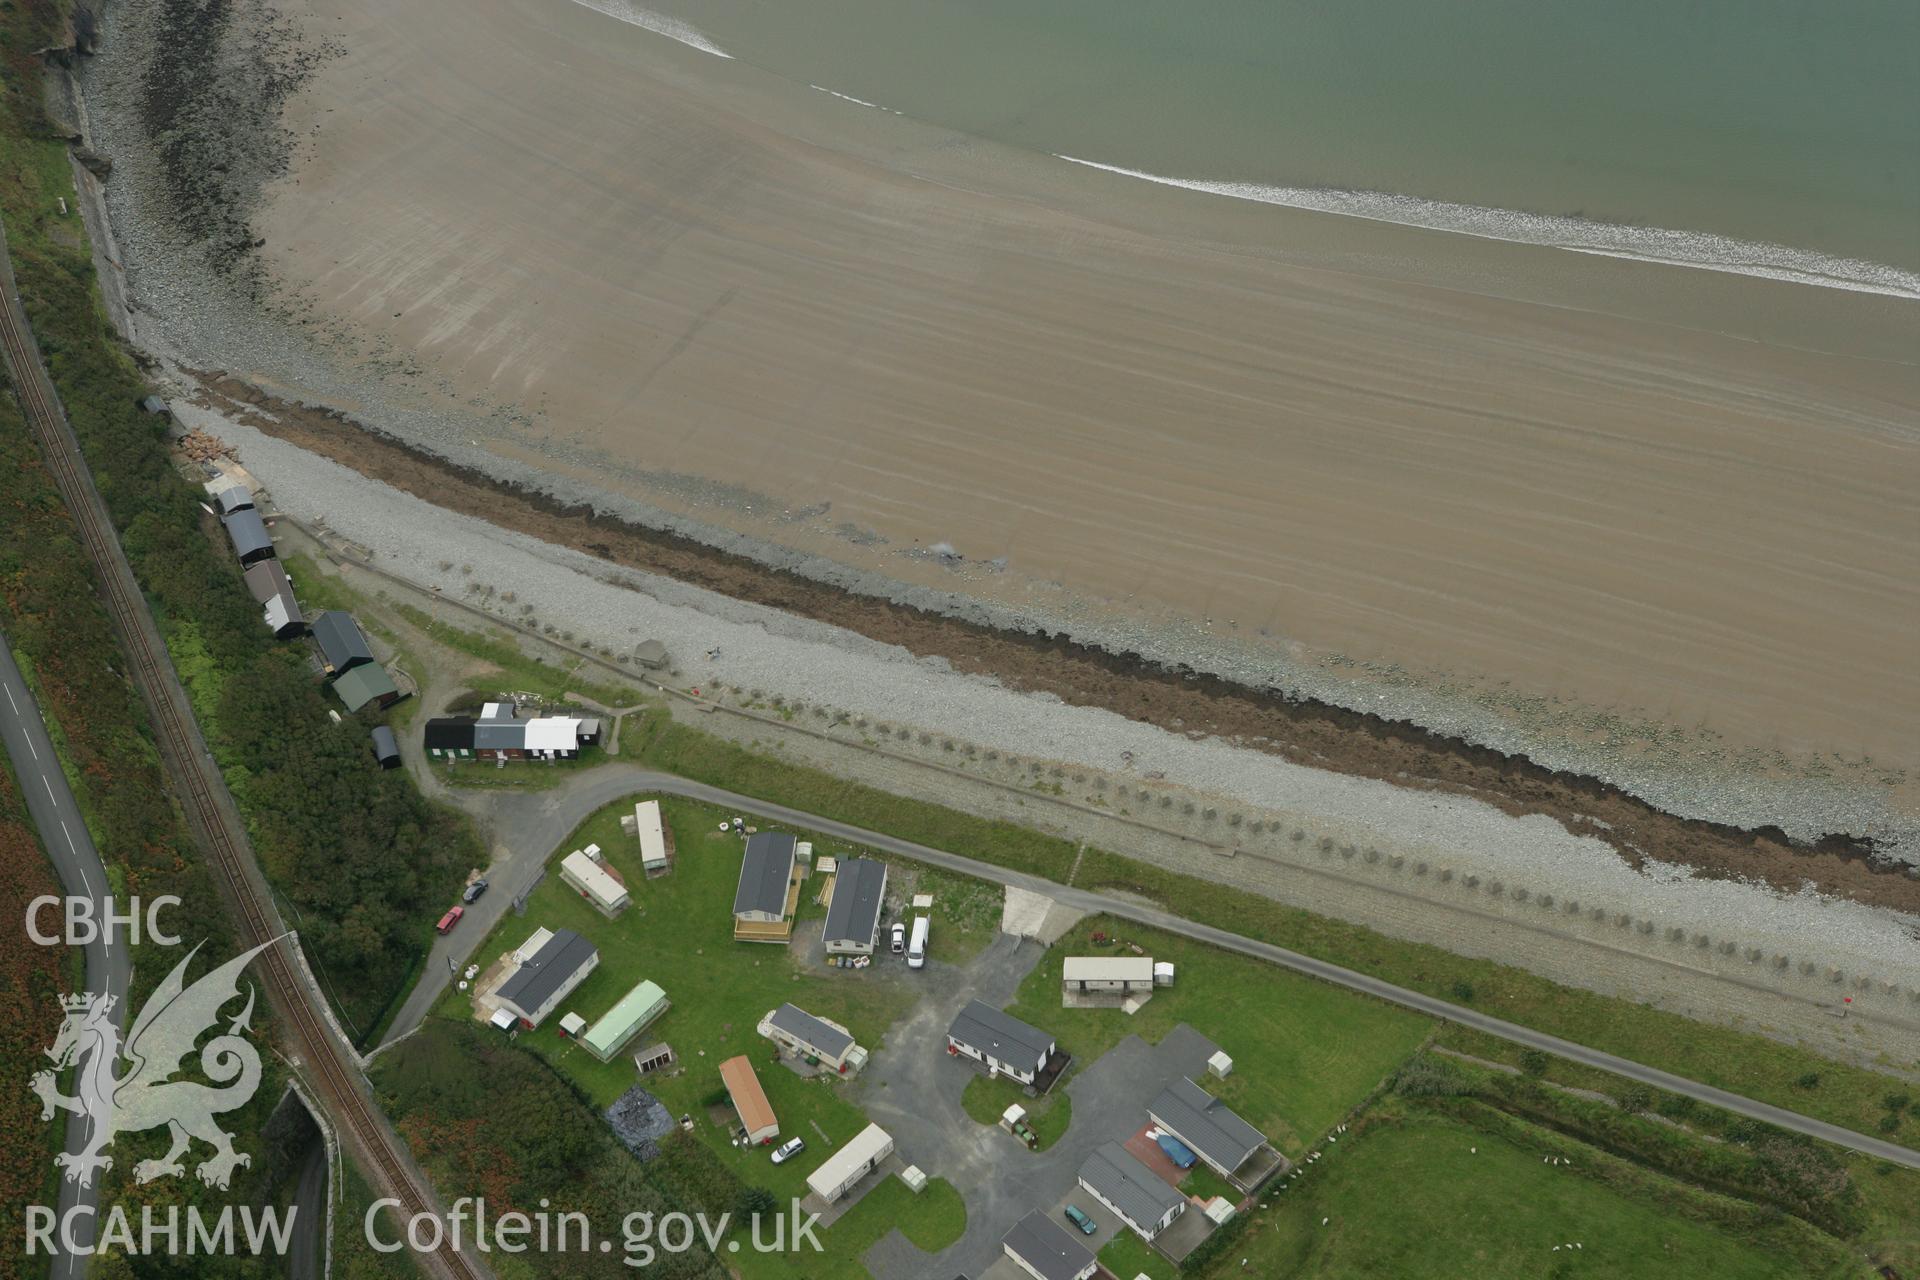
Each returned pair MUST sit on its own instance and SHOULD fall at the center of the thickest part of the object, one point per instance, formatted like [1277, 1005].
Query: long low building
[632, 1014]
[768, 892]
[1107, 974]
[343, 646]
[1136, 1194]
[272, 590]
[652, 834]
[550, 968]
[798, 1031]
[1230, 1146]
[248, 533]
[749, 1100]
[1042, 1248]
[853, 916]
[1001, 1042]
[596, 882]
[841, 1171]
[363, 685]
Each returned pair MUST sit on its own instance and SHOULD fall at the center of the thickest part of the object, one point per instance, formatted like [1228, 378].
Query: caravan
[917, 949]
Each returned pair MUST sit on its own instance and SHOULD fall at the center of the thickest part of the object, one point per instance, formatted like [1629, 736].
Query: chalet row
[356, 679]
[500, 734]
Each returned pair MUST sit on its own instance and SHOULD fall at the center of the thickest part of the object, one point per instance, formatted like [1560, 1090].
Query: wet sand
[1152, 408]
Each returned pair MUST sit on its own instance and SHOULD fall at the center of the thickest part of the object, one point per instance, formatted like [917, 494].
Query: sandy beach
[1680, 513]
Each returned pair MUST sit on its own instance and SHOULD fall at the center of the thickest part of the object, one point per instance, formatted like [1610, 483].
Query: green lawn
[1432, 1197]
[933, 1219]
[678, 933]
[987, 1100]
[1742, 1062]
[965, 914]
[1127, 1256]
[676, 748]
[1305, 1053]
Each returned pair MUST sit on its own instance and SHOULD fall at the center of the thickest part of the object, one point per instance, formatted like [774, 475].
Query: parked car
[450, 919]
[474, 891]
[1087, 1225]
[917, 949]
[788, 1150]
[1177, 1151]
[899, 936]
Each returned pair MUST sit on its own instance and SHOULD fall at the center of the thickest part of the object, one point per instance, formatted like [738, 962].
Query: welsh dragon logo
[145, 1097]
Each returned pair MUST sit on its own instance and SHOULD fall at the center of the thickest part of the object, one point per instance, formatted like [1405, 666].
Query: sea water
[1773, 137]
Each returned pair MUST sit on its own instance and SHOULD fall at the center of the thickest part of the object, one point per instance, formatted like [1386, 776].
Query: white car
[788, 1150]
[899, 937]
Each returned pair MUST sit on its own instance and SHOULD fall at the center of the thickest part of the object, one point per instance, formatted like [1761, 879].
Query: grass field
[1738, 1061]
[1432, 1197]
[1304, 1053]
[678, 932]
[1127, 1256]
[659, 742]
[933, 1219]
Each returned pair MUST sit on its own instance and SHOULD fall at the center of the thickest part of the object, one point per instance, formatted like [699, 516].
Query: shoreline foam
[1703, 250]
[605, 474]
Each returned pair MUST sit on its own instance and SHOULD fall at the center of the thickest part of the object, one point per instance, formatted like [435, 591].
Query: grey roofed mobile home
[341, 644]
[853, 917]
[1001, 1036]
[804, 1027]
[248, 532]
[764, 874]
[535, 981]
[1044, 1248]
[1130, 1189]
[1206, 1124]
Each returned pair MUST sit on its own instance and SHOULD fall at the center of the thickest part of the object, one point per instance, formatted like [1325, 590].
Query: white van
[917, 949]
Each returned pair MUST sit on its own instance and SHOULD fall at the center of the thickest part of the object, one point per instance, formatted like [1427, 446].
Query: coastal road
[82, 875]
[533, 830]
[314, 1048]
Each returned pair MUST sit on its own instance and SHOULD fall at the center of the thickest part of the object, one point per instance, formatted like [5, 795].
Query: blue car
[1177, 1151]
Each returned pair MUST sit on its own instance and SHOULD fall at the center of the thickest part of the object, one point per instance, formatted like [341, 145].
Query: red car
[450, 919]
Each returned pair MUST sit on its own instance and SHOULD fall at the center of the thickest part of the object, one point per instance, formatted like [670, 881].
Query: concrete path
[530, 832]
[109, 968]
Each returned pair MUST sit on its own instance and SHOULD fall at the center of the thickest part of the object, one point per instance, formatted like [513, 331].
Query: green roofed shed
[357, 686]
[635, 1011]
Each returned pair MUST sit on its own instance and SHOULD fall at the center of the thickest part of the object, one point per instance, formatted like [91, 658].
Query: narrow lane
[70, 848]
[537, 833]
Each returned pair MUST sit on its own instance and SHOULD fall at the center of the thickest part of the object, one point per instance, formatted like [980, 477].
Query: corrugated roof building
[853, 917]
[342, 645]
[749, 1100]
[546, 975]
[1116, 1178]
[248, 533]
[365, 684]
[1045, 1251]
[634, 1012]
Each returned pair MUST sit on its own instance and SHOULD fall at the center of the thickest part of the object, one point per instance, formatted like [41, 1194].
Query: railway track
[333, 1070]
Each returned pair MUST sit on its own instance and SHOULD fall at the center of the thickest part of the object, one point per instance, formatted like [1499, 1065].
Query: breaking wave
[1701, 250]
[659, 24]
[858, 102]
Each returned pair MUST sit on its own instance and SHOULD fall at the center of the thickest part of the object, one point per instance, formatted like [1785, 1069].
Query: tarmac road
[77, 862]
[532, 830]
